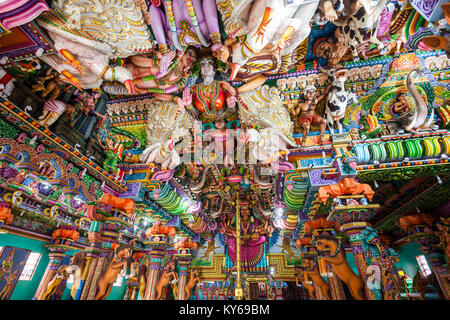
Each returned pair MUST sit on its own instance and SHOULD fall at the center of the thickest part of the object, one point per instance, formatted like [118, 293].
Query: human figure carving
[311, 271]
[57, 283]
[307, 113]
[76, 268]
[118, 265]
[193, 280]
[167, 275]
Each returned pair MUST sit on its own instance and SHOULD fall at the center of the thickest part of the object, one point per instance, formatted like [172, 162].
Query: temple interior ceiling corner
[224, 149]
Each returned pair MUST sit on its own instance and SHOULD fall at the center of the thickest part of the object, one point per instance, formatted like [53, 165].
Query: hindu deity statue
[332, 48]
[114, 154]
[149, 76]
[254, 72]
[210, 100]
[307, 116]
[402, 106]
[185, 23]
[255, 230]
[265, 25]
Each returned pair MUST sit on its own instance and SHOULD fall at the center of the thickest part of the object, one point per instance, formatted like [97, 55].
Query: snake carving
[415, 120]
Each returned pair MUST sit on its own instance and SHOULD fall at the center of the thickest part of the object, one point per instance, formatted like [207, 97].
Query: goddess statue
[254, 232]
[210, 100]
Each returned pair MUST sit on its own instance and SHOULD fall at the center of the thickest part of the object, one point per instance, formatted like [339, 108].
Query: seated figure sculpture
[254, 231]
[307, 116]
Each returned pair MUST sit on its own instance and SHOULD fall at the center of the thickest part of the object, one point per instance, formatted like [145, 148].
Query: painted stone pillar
[184, 260]
[158, 244]
[335, 284]
[353, 230]
[318, 293]
[94, 264]
[57, 253]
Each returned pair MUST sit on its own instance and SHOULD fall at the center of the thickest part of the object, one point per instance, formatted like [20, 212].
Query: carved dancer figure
[76, 268]
[307, 113]
[118, 265]
[167, 275]
[56, 284]
[193, 280]
[336, 258]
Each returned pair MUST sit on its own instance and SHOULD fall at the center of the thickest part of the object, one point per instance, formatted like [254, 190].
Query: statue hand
[81, 70]
[75, 83]
[180, 104]
[261, 31]
[164, 64]
[231, 102]
[187, 97]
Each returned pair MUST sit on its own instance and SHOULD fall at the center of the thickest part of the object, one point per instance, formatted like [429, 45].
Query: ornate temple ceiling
[141, 81]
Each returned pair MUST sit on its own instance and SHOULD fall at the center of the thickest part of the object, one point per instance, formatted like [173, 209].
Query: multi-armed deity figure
[282, 28]
[209, 100]
[186, 23]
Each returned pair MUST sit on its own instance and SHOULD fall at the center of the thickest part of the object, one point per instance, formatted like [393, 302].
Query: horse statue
[339, 263]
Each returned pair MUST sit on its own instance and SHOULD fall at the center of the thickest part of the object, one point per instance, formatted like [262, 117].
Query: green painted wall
[408, 260]
[25, 290]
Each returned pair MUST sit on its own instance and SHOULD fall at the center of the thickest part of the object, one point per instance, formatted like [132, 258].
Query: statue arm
[252, 84]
